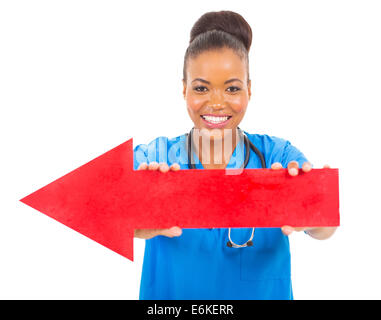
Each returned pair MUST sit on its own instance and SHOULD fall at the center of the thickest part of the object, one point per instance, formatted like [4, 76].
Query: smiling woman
[216, 82]
[214, 91]
[200, 263]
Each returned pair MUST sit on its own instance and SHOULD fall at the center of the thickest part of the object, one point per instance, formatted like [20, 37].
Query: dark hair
[217, 30]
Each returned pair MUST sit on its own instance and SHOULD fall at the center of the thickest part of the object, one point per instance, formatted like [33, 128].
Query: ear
[184, 88]
[249, 88]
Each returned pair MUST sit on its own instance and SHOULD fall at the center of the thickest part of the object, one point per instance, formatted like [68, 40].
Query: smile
[214, 121]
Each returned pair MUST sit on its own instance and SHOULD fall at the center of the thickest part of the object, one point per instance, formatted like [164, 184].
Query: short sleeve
[291, 153]
[156, 150]
[140, 155]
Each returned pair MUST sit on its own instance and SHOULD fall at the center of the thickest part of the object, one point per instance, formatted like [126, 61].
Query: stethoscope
[248, 146]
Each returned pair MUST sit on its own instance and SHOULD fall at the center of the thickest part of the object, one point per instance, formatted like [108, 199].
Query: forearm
[321, 233]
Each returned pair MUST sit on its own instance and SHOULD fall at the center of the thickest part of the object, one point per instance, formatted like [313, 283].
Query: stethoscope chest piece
[248, 243]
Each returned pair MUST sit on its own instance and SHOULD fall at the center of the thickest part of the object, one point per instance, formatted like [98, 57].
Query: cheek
[239, 103]
[195, 103]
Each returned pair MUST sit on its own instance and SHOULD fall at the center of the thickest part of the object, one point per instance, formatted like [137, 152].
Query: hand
[293, 170]
[163, 167]
[293, 167]
[320, 233]
[287, 230]
[150, 233]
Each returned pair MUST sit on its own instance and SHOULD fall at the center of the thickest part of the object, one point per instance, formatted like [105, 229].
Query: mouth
[215, 121]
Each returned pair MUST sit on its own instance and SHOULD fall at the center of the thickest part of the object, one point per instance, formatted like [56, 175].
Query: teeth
[215, 119]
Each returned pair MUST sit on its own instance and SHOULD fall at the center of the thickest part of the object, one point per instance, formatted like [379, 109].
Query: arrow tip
[81, 200]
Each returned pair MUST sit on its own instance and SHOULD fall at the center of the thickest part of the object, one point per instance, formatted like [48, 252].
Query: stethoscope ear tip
[229, 244]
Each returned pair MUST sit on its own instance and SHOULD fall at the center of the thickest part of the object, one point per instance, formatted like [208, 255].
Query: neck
[215, 148]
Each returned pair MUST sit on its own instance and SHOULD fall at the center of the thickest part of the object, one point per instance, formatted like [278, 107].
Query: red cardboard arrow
[105, 199]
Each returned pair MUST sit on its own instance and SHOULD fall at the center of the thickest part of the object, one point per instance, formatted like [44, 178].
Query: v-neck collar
[236, 159]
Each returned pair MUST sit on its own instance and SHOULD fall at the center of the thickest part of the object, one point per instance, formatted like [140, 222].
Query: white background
[78, 78]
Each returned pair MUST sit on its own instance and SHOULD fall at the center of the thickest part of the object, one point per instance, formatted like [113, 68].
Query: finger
[143, 166]
[276, 166]
[287, 230]
[163, 167]
[293, 168]
[306, 167]
[174, 167]
[171, 232]
[145, 233]
[153, 165]
[327, 166]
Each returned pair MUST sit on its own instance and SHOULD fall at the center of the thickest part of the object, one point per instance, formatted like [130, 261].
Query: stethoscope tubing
[248, 146]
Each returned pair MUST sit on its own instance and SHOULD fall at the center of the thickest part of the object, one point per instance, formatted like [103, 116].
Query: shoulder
[267, 141]
[276, 149]
[159, 142]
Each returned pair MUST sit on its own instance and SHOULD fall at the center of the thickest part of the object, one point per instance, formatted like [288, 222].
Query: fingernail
[153, 165]
[175, 166]
[293, 171]
[163, 168]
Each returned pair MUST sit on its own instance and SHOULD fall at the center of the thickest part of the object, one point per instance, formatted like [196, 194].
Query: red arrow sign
[105, 199]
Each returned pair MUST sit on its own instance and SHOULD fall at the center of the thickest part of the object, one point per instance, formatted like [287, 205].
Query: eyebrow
[207, 82]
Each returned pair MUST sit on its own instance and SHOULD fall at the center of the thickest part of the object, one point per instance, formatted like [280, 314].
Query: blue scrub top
[198, 264]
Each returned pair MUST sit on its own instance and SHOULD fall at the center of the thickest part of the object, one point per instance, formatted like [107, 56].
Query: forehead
[216, 65]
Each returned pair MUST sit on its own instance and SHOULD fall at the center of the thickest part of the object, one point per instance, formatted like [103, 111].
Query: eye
[200, 89]
[233, 89]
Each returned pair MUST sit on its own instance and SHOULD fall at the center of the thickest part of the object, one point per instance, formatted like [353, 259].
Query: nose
[216, 106]
[216, 100]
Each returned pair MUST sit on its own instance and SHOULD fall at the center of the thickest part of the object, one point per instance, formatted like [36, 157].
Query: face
[217, 91]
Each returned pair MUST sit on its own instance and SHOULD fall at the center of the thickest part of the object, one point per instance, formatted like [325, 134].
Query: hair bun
[227, 21]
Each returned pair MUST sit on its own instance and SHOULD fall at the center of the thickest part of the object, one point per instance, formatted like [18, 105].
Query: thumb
[287, 230]
[171, 232]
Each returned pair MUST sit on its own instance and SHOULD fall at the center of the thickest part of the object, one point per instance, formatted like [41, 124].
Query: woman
[198, 263]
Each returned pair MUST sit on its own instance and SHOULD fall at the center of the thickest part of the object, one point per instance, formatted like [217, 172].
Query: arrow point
[83, 199]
